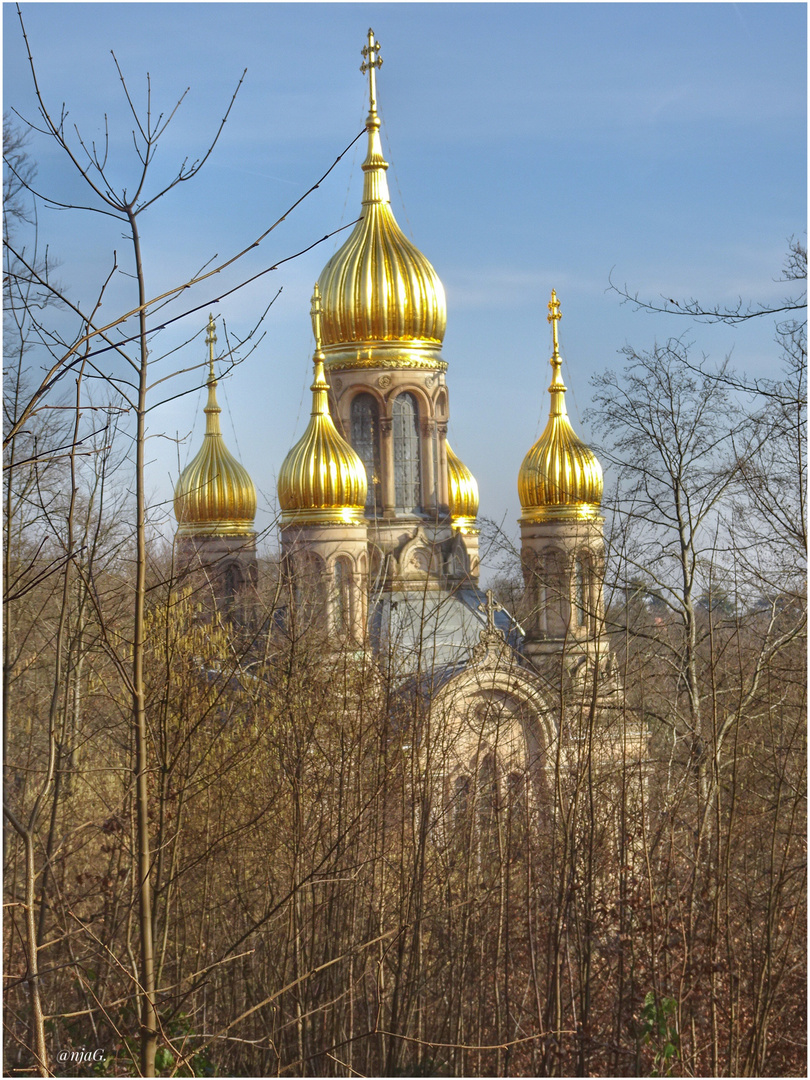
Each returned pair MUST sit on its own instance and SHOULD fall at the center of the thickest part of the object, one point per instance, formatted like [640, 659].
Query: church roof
[432, 634]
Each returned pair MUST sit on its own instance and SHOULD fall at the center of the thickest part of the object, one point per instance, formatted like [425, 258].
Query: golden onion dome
[560, 477]
[463, 492]
[383, 303]
[322, 479]
[214, 495]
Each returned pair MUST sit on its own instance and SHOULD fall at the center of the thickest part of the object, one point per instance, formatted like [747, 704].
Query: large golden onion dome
[322, 479]
[463, 492]
[214, 495]
[560, 478]
[383, 303]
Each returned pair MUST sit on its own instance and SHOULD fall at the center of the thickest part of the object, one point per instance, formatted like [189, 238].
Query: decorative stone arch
[493, 735]
[424, 401]
[458, 564]
[342, 402]
[419, 558]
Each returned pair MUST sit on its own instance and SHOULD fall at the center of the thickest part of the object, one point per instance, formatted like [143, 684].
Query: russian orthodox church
[379, 539]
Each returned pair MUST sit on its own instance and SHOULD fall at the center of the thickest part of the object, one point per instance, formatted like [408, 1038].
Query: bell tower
[324, 535]
[562, 540]
[384, 316]
[215, 506]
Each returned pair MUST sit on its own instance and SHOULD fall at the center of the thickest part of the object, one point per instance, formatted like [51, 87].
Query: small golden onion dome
[560, 478]
[382, 300]
[463, 492]
[322, 479]
[214, 495]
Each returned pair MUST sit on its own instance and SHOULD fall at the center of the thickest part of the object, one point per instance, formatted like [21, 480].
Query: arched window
[517, 807]
[581, 591]
[341, 599]
[232, 581]
[310, 594]
[554, 598]
[461, 797]
[407, 457]
[365, 423]
[489, 795]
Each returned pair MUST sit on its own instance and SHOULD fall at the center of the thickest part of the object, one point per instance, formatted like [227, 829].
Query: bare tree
[28, 278]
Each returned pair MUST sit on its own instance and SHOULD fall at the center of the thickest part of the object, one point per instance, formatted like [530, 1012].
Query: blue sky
[531, 146]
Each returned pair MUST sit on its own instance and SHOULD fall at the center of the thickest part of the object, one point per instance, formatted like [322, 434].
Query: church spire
[383, 303]
[212, 410]
[560, 477]
[320, 387]
[322, 480]
[375, 183]
[214, 495]
[371, 63]
[558, 387]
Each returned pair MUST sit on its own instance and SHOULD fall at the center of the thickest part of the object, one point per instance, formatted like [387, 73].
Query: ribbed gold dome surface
[463, 491]
[383, 303]
[560, 477]
[322, 479]
[214, 495]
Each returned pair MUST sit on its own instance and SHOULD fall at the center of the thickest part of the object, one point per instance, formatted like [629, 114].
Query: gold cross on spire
[371, 61]
[554, 317]
[316, 311]
[210, 341]
[490, 608]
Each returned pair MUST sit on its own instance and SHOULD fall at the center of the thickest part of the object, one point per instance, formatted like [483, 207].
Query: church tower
[562, 542]
[324, 537]
[384, 319]
[215, 506]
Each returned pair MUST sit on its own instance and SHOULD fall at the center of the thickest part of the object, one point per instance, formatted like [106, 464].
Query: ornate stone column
[443, 491]
[429, 500]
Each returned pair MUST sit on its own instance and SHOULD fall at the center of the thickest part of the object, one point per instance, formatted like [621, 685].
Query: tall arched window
[232, 581]
[341, 598]
[581, 591]
[310, 593]
[407, 457]
[555, 598]
[365, 422]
